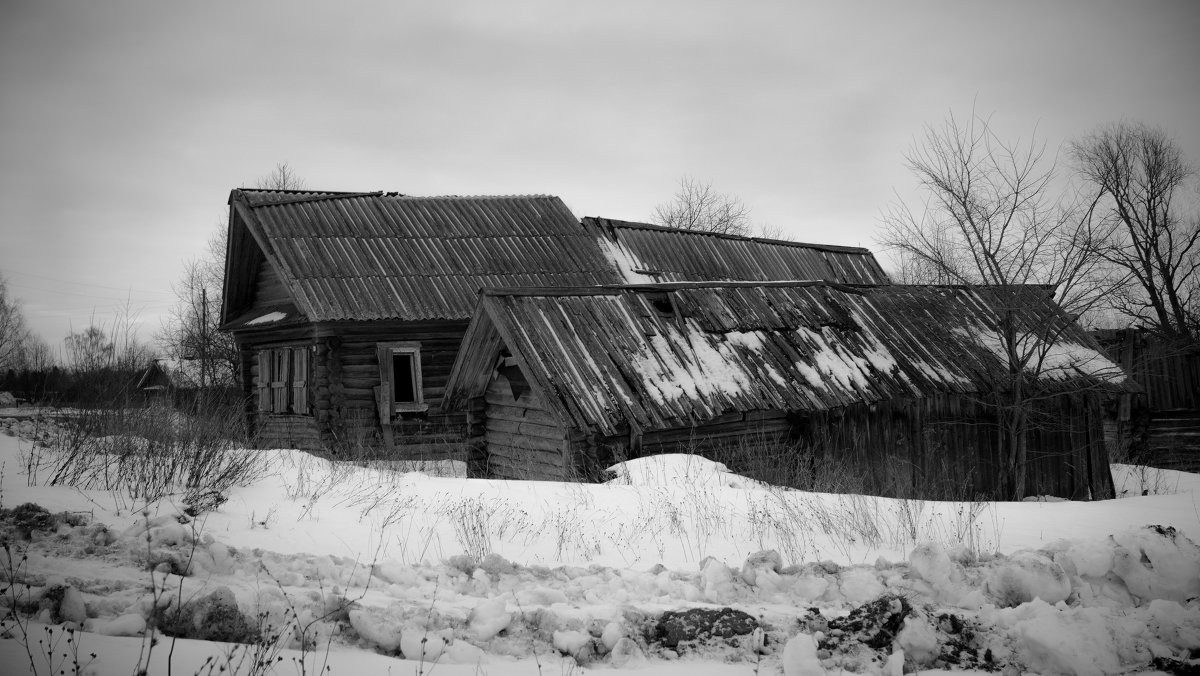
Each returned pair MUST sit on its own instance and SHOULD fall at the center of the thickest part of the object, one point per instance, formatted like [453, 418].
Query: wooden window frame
[386, 353]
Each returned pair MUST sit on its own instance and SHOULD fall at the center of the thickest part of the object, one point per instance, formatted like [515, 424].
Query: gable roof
[365, 256]
[646, 253]
[674, 355]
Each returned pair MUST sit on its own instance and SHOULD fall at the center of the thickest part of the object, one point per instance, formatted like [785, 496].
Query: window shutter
[300, 380]
[384, 396]
[264, 380]
[279, 390]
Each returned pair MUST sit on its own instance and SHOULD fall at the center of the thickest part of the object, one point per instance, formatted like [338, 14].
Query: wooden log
[520, 414]
[518, 441]
[531, 429]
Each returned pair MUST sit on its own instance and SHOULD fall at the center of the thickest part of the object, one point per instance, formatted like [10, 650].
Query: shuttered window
[283, 380]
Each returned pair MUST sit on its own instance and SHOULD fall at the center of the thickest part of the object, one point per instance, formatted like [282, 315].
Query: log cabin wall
[352, 372]
[522, 440]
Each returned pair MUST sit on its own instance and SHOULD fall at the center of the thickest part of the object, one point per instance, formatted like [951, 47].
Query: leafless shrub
[147, 454]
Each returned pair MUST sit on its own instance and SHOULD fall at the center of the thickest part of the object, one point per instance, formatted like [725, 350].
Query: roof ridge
[302, 196]
[318, 197]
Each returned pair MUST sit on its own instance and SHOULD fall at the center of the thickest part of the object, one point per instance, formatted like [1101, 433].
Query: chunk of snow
[424, 646]
[800, 657]
[130, 624]
[490, 617]
[1065, 641]
[613, 632]
[767, 560]
[1026, 576]
[382, 631]
[571, 642]
[860, 585]
[1157, 563]
[918, 640]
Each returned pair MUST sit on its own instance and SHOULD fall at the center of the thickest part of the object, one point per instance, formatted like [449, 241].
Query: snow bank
[379, 563]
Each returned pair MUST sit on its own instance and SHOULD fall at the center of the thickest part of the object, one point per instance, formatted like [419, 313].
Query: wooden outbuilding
[1158, 426]
[348, 309]
[900, 385]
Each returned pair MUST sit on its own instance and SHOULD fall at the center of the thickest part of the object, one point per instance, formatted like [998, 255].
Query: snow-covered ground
[372, 570]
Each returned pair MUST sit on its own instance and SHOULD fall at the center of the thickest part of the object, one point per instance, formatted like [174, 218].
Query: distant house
[894, 381]
[348, 309]
[156, 384]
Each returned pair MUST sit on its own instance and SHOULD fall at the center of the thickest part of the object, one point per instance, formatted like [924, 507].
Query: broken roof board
[603, 358]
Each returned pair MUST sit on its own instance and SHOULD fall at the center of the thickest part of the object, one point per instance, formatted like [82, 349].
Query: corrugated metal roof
[366, 256]
[669, 355]
[651, 253]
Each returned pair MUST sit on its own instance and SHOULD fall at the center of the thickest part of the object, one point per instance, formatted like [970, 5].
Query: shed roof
[646, 253]
[672, 355]
[365, 256]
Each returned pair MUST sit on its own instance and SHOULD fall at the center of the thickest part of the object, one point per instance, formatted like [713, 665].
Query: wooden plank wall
[269, 290]
[1159, 427]
[938, 448]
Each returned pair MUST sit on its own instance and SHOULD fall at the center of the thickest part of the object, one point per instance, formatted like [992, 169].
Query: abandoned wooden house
[895, 383]
[348, 309]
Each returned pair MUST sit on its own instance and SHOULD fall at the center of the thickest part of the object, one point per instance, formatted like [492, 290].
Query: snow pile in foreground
[1112, 598]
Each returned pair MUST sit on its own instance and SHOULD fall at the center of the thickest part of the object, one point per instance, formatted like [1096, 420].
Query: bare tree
[992, 217]
[36, 354]
[282, 177]
[190, 335]
[13, 332]
[697, 206]
[1141, 174]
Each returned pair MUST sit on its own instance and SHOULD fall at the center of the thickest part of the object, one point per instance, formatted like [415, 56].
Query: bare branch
[698, 207]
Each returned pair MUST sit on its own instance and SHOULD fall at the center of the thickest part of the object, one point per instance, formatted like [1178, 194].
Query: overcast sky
[123, 125]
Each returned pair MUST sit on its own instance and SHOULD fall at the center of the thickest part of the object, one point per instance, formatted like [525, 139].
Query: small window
[400, 378]
[404, 384]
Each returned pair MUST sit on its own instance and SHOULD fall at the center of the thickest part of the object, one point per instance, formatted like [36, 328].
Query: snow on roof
[1052, 360]
[267, 318]
[676, 354]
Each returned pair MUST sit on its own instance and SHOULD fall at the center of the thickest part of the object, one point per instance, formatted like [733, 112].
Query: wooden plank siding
[1159, 426]
[269, 289]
